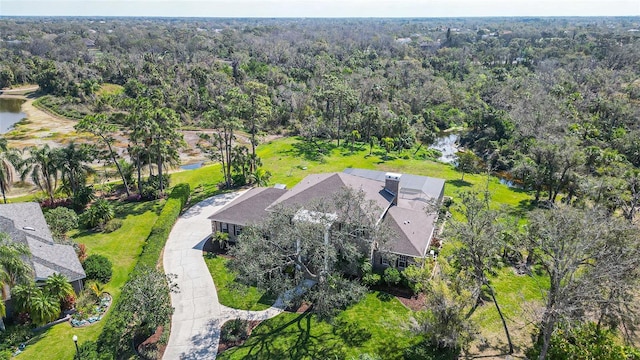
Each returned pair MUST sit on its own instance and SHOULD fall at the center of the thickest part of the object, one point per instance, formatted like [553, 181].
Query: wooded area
[551, 104]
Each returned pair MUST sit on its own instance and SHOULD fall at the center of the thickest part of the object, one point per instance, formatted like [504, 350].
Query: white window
[224, 227]
[238, 230]
[403, 260]
[384, 261]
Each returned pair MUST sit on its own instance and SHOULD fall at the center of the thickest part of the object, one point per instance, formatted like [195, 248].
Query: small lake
[191, 166]
[10, 113]
[447, 144]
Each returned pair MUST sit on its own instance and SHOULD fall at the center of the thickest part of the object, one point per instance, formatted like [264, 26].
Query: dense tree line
[551, 103]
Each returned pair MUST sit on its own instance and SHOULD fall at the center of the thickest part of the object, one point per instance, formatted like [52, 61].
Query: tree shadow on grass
[311, 150]
[459, 183]
[267, 341]
[351, 333]
[137, 208]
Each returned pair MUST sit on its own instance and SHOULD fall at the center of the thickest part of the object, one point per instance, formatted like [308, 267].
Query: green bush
[98, 214]
[116, 336]
[113, 225]
[98, 267]
[584, 342]
[234, 330]
[391, 276]
[61, 220]
[371, 279]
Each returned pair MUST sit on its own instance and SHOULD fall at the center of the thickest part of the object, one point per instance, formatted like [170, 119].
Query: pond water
[10, 113]
[447, 144]
[191, 166]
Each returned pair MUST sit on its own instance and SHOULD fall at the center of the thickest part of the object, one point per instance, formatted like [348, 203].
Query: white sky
[320, 8]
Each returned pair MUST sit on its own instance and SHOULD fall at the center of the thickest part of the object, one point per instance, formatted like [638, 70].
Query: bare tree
[589, 259]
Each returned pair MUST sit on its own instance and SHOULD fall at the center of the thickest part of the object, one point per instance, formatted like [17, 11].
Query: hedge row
[116, 336]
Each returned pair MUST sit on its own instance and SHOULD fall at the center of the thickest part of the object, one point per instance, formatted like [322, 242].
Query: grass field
[234, 294]
[289, 160]
[376, 325]
[122, 247]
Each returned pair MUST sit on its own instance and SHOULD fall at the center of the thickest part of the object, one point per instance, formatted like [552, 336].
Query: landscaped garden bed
[91, 314]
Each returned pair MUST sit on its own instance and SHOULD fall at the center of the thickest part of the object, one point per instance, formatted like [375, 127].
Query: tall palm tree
[41, 165]
[72, 161]
[9, 160]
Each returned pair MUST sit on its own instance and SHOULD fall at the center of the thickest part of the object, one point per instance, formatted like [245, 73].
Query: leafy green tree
[99, 126]
[43, 307]
[73, 163]
[466, 162]
[61, 220]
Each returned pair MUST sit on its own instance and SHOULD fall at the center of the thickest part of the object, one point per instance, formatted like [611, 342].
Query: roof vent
[28, 228]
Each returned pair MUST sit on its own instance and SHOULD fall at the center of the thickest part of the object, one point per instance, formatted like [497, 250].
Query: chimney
[392, 185]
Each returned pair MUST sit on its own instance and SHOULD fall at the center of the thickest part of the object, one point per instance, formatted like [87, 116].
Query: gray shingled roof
[409, 183]
[25, 223]
[321, 186]
[249, 208]
[412, 225]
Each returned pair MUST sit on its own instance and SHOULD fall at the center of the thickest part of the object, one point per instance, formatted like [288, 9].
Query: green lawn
[376, 325]
[122, 247]
[234, 294]
[289, 162]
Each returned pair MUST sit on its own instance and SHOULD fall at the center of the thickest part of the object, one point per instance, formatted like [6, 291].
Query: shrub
[112, 225]
[234, 330]
[61, 220]
[391, 276]
[81, 251]
[98, 267]
[99, 214]
[82, 197]
[371, 279]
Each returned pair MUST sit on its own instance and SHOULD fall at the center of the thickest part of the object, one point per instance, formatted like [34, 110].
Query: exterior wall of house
[233, 230]
[398, 261]
[77, 285]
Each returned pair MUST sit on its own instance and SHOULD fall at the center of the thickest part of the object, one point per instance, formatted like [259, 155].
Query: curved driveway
[196, 321]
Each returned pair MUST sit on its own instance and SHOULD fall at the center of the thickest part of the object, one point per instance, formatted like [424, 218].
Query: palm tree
[72, 162]
[41, 165]
[260, 177]
[43, 307]
[58, 287]
[13, 267]
[9, 160]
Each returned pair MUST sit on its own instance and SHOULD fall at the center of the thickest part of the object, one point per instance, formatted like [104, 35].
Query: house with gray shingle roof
[25, 223]
[403, 200]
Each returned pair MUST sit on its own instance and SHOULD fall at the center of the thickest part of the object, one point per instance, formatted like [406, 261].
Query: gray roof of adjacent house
[412, 224]
[25, 223]
[248, 208]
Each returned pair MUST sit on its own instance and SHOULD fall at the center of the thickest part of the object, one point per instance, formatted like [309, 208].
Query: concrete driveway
[195, 325]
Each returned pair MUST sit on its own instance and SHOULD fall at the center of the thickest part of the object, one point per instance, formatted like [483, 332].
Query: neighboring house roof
[248, 208]
[25, 223]
[413, 226]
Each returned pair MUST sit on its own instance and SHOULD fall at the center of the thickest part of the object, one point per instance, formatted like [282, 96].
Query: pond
[10, 113]
[191, 166]
[447, 144]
